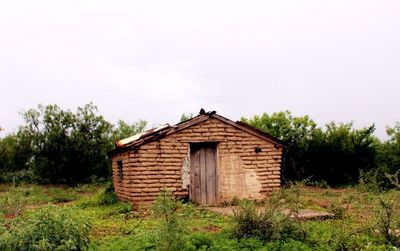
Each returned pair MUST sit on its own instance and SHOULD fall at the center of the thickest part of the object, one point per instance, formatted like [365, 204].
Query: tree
[388, 159]
[67, 147]
[15, 153]
[340, 152]
[297, 132]
[124, 130]
[186, 116]
[335, 155]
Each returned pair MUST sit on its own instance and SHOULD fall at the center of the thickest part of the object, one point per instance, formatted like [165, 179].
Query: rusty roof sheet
[134, 138]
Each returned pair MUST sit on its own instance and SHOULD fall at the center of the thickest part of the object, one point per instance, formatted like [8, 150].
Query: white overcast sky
[333, 60]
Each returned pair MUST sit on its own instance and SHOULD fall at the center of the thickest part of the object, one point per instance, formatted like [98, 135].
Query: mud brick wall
[164, 164]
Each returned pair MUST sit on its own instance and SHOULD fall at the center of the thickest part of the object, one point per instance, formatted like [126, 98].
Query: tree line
[61, 146]
[337, 153]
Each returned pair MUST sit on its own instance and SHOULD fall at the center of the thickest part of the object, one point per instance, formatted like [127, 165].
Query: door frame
[199, 145]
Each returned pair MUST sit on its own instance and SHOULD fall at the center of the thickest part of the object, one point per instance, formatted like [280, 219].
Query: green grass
[114, 227]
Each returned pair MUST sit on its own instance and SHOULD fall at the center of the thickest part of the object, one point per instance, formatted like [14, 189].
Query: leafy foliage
[47, 229]
[388, 224]
[67, 147]
[124, 130]
[186, 116]
[171, 234]
[335, 154]
[389, 158]
[269, 223]
[61, 146]
[359, 228]
[15, 157]
[108, 196]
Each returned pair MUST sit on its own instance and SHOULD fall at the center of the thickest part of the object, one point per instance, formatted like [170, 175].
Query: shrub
[108, 196]
[201, 240]
[171, 233]
[388, 225]
[137, 242]
[373, 180]
[265, 224]
[47, 229]
[18, 177]
[338, 211]
[11, 207]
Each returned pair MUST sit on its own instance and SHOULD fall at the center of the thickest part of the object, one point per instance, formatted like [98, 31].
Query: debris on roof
[126, 141]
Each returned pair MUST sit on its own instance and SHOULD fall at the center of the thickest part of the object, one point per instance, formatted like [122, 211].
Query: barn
[208, 159]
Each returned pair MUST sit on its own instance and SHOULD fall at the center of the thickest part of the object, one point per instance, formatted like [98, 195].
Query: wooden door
[203, 173]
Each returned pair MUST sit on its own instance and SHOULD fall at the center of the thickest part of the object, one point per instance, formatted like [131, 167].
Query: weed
[267, 225]
[188, 210]
[108, 196]
[371, 181]
[389, 224]
[394, 179]
[235, 201]
[338, 211]
[49, 228]
[12, 207]
[171, 234]
[60, 195]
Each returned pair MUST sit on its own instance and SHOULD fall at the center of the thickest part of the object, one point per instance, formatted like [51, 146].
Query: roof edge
[194, 121]
[252, 130]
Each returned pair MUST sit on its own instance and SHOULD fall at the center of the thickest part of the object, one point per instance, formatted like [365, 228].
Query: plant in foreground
[49, 228]
[171, 233]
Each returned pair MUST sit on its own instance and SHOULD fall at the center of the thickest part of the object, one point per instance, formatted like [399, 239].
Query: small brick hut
[208, 159]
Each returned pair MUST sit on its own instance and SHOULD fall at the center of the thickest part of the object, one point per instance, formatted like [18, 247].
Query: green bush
[12, 207]
[265, 224]
[388, 223]
[60, 195]
[108, 196]
[334, 153]
[172, 233]
[124, 243]
[49, 228]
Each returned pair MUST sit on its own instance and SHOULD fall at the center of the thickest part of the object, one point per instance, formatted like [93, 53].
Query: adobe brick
[151, 189]
[139, 185]
[264, 173]
[150, 181]
[142, 198]
[167, 180]
[153, 168]
[169, 167]
[154, 185]
[133, 190]
[156, 176]
[147, 172]
[171, 176]
[168, 172]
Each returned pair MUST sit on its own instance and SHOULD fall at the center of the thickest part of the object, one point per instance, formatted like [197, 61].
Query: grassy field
[358, 224]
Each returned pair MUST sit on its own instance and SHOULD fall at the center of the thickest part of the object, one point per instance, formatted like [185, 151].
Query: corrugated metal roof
[132, 139]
